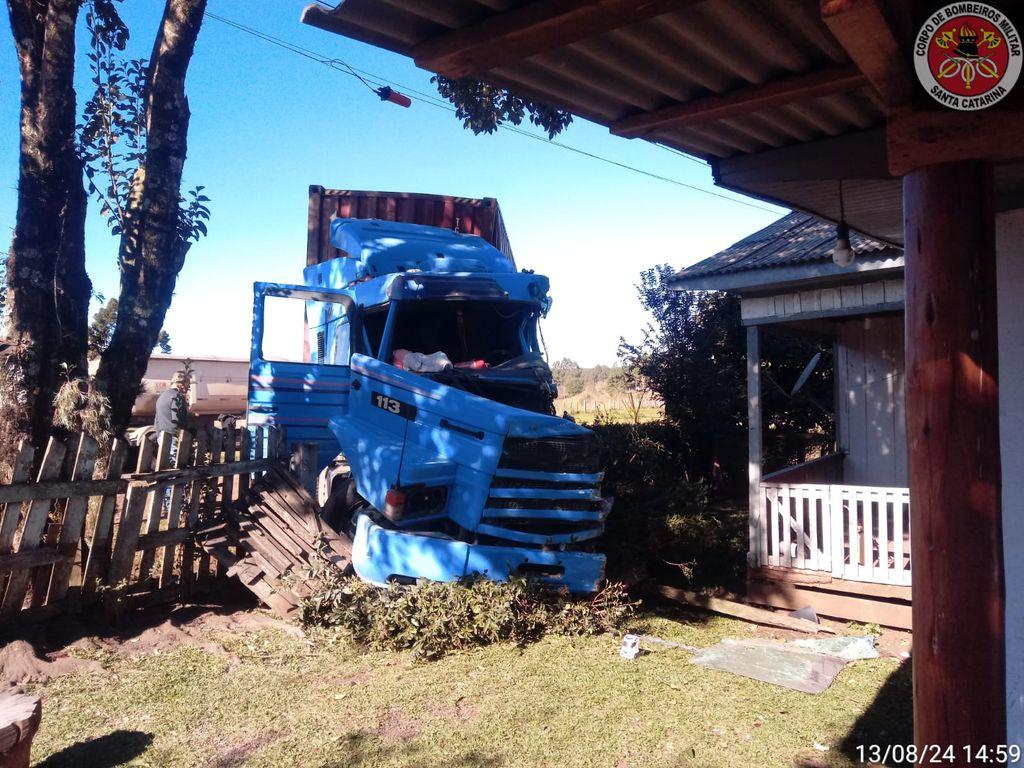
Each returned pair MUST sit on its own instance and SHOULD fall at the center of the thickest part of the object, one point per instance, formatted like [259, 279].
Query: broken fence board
[10, 514]
[174, 508]
[98, 560]
[128, 532]
[73, 526]
[186, 573]
[33, 527]
[157, 498]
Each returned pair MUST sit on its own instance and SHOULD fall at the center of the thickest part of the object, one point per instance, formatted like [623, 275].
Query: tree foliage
[694, 356]
[483, 107]
[130, 144]
[568, 376]
[113, 135]
[101, 330]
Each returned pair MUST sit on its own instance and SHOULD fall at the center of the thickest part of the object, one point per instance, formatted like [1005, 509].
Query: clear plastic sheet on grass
[784, 665]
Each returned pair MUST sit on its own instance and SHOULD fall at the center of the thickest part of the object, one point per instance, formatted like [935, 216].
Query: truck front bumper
[382, 555]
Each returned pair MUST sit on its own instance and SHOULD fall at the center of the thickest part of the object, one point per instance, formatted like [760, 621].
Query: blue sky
[267, 123]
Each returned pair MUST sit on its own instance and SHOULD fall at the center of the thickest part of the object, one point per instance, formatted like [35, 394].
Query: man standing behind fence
[171, 406]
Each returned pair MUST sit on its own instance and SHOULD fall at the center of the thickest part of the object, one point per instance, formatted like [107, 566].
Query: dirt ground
[218, 687]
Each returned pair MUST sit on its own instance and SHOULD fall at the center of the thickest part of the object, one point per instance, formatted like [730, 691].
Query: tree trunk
[46, 313]
[153, 247]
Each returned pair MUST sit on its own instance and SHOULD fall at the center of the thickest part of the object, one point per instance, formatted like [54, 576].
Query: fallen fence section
[274, 541]
[116, 524]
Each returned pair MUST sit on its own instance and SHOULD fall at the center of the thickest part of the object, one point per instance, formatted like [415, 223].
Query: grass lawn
[268, 697]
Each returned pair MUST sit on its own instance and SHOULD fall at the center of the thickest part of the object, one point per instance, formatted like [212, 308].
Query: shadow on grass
[365, 748]
[112, 749]
[888, 721]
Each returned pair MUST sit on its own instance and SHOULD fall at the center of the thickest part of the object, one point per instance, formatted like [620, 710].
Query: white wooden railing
[853, 532]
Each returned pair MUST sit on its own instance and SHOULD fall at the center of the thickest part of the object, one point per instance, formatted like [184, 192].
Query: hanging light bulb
[842, 254]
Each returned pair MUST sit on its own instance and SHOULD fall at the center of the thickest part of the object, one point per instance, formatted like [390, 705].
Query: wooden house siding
[859, 298]
[870, 404]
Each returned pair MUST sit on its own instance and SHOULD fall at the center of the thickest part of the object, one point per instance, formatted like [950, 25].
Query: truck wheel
[342, 505]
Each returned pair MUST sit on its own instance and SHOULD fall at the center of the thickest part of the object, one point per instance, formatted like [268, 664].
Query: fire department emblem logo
[968, 55]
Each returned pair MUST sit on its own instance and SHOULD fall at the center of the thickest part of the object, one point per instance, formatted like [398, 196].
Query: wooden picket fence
[114, 525]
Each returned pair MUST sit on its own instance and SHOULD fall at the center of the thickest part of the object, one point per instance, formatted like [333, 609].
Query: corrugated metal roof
[793, 239]
[701, 49]
[664, 54]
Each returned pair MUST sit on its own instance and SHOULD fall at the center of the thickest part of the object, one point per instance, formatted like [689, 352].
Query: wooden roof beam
[872, 42]
[536, 27]
[743, 100]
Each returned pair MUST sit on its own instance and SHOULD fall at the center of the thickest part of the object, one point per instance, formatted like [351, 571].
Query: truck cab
[422, 373]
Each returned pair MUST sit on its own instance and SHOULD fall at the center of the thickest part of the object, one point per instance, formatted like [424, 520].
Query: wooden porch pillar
[756, 519]
[954, 464]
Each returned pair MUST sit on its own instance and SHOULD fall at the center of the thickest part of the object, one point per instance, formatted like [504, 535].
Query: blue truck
[415, 363]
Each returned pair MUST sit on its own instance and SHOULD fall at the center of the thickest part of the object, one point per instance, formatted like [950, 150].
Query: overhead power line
[373, 82]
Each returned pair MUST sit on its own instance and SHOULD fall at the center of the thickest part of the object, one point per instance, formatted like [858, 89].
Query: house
[816, 104]
[833, 532]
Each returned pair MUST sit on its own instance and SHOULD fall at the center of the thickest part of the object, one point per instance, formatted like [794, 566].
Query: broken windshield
[470, 334]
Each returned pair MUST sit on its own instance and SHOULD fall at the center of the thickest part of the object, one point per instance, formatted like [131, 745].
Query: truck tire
[342, 505]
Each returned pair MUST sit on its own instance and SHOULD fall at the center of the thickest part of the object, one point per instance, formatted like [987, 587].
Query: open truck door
[299, 372]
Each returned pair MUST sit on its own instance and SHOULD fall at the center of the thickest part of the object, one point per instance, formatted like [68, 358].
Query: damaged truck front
[420, 360]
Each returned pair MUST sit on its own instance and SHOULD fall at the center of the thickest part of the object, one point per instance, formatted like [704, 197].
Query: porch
[842, 549]
[833, 531]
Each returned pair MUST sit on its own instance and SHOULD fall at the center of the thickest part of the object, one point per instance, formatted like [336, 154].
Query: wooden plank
[741, 611]
[756, 523]
[838, 527]
[73, 526]
[103, 525]
[897, 537]
[10, 514]
[841, 605]
[34, 558]
[786, 527]
[174, 509]
[216, 440]
[870, 39]
[128, 531]
[854, 465]
[868, 500]
[168, 538]
[874, 293]
[838, 78]
[528, 29]
[245, 454]
[920, 138]
[147, 452]
[33, 526]
[227, 485]
[62, 489]
[813, 500]
[157, 498]
[192, 516]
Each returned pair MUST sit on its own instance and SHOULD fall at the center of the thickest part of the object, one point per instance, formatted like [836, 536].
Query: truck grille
[578, 453]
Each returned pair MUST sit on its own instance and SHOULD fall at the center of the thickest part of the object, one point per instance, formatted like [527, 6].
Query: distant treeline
[572, 378]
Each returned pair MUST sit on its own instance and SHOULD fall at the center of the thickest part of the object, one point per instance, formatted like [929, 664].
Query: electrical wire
[369, 78]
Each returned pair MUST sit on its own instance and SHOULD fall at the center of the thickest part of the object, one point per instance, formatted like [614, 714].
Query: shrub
[664, 521]
[433, 618]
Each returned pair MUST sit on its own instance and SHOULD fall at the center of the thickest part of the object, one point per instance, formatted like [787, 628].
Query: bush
[433, 618]
[663, 521]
